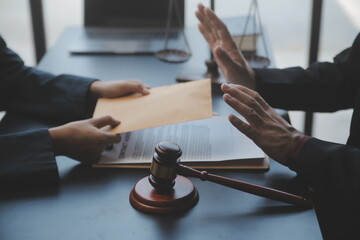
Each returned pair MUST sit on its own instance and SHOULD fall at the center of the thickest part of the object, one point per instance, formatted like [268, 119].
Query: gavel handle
[246, 187]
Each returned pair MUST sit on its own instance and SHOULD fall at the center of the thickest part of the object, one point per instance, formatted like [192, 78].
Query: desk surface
[94, 203]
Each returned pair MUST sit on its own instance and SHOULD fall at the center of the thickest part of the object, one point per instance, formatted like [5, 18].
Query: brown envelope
[164, 105]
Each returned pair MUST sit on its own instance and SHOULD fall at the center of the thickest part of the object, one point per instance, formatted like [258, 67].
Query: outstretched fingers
[254, 95]
[250, 114]
[207, 35]
[243, 127]
[246, 102]
[205, 26]
[214, 23]
[220, 31]
[264, 105]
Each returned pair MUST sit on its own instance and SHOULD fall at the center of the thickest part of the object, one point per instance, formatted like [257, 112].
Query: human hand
[231, 61]
[117, 88]
[276, 137]
[84, 140]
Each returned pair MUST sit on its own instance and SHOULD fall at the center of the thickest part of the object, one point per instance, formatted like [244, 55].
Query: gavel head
[163, 168]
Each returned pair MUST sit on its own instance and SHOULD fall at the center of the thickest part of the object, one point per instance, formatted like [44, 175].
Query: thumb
[139, 88]
[223, 57]
[103, 121]
[112, 138]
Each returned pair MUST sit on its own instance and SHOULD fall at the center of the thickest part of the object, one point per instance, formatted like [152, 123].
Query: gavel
[165, 184]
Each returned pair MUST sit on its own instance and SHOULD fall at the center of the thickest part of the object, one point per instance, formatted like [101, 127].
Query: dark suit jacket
[332, 170]
[27, 158]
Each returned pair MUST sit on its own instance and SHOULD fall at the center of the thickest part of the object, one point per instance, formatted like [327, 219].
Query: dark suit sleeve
[323, 87]
[27, 160]
[332, 170]
[30, 91]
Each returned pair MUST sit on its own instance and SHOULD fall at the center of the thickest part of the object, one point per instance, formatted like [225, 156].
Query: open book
[207, 144]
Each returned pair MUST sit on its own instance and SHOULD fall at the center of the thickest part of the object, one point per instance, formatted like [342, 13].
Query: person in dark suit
[331, 170]
[27, 158]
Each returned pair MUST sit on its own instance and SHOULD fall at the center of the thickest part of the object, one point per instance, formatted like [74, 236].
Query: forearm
[28, 90]
[61, 98]
[320, 88]
[27, 159]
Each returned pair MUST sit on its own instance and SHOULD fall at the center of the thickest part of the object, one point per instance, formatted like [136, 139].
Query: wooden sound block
[182, 197]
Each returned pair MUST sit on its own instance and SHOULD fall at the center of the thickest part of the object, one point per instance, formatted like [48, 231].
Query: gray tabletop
[94, 203]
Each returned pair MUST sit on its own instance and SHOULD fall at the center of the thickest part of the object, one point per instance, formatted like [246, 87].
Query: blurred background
[287, 24]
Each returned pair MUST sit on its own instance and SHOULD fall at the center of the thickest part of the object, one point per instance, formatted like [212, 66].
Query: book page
[205, 140]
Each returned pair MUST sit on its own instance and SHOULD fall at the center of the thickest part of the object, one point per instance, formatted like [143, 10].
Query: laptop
[128, 27]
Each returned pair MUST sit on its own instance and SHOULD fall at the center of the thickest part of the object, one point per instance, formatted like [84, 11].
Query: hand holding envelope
[163, 106]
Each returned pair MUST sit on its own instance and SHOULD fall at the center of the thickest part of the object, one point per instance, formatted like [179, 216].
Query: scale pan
[256, 61]
[173, 55]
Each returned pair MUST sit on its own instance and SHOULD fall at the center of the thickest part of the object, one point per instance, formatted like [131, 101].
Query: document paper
[209, 143]
[164, 105]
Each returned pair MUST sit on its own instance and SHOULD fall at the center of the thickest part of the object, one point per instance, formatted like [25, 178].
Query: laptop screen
[131, 13]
